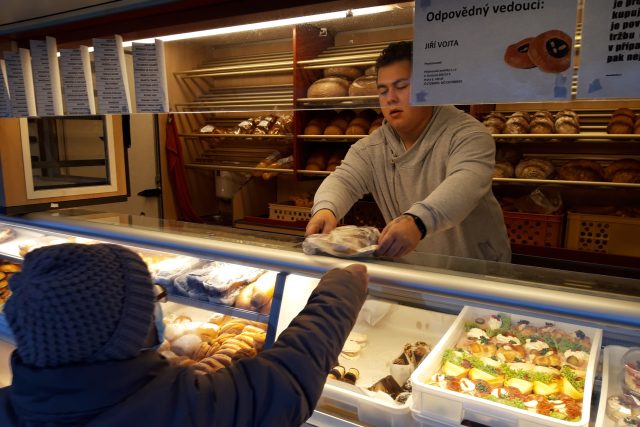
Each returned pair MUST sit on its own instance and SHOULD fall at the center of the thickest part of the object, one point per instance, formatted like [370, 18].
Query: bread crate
[534, 229]
[606, 234]
[430, 400]
[287, 211]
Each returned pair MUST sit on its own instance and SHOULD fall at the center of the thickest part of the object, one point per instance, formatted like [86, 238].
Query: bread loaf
[628, 176]
[508, 154]
[620, 124]
[624, 112]
[568, 113]
[541, 125]
[620, 165]
[581, 170]
[282, 125]
[263, 124]
[244, 127]
[350, 73]
[495, 123]
[317, 161]
[363, 86]
[503, 170]
[358, 126]
[375, 124]
[328, 87]
[567, 125]
[534, 168]
[516, 125]
[543, 113]
[335, 159]
[371, 71]
[338, 126]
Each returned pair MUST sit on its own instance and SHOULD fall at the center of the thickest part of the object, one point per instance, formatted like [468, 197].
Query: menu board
[5, 101]
[610, 50]
[479, 51]
[23, 101]
[111, 76]
[150, 77]
[46, 77]
[75, 65]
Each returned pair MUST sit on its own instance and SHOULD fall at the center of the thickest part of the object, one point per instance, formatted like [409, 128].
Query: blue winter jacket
[279, 387]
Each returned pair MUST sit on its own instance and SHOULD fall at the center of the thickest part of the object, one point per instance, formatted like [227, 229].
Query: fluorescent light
[269, 24]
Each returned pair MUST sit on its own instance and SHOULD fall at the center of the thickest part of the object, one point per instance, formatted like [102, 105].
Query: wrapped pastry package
[347, 241]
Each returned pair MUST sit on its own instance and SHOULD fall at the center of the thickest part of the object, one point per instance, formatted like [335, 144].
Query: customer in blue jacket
[81, 315]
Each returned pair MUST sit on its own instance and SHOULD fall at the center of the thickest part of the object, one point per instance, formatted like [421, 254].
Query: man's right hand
[324, 221]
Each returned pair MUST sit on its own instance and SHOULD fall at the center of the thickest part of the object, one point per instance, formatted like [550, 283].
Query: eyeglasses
[160, 293]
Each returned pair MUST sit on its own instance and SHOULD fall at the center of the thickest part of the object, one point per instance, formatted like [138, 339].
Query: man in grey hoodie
[429, 170]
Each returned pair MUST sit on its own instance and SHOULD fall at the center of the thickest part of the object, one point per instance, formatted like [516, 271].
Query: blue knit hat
[77, 303]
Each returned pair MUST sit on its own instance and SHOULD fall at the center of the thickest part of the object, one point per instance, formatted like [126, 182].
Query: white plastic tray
[611, 384]
[386, 340]
[431, 400]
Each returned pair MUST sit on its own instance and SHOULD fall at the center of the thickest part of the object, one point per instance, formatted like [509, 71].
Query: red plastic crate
[534, 229]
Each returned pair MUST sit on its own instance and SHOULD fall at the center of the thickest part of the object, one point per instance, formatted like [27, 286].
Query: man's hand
[359, 272]
[399, 237]
[324, 221]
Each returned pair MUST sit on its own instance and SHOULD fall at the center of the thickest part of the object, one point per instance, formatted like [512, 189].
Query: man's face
[394, 91]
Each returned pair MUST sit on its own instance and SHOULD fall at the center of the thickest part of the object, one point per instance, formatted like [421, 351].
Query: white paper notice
[5, 100]
[75, 65]
[111, 76]
[150, 77]
[472, 51]
[610, 50]
[23, 100]
[46, 77]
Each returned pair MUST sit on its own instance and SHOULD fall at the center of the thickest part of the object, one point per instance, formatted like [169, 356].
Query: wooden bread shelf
[227, 136]
[603, 184]
[578, 137]
[331, 138]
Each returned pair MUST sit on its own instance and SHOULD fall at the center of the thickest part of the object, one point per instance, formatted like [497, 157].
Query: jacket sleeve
[469, 172]
[281, 386]
[344, 186]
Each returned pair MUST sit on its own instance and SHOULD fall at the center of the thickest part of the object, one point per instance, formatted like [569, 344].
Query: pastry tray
[386, 339]
[431, 400]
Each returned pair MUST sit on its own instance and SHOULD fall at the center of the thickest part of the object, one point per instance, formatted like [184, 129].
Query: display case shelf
[577, 138]
[565, 183]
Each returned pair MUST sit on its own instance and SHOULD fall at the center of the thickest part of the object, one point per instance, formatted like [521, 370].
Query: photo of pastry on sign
[549, 52]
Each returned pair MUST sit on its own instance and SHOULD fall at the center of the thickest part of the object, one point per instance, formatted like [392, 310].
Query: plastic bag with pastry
[347, 241]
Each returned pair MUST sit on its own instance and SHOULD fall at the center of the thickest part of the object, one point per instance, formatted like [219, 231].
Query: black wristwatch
[421, 227]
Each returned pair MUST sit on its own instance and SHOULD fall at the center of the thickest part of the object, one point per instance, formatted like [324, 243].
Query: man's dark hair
[398, 51]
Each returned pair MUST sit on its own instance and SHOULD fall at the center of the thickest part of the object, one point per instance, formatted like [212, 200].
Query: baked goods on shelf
[329, 87]
[517, 123]
[364, 86]
[257, 296]
[349, 73]
[495, 122]
[7, 269]
[580, 170]
[541, 125]
[508, 154]
[503, 169]
[212, 345]
[623, 121]
[534, 168]
[623, 170]
[346, 122]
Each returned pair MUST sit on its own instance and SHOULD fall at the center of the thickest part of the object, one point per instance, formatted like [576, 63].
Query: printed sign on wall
[111, 76]
[610, 50]
[46, 77]
[75, 65]
[472, 51]
[150, 77]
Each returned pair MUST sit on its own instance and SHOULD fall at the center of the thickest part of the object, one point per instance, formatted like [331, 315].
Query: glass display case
[423, 295]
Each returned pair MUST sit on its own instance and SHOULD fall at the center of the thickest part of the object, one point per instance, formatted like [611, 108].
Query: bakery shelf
[241, 66]
[331, 138]
[243, 137]
[219, 308]
[316, 173]
[563, 182]
[238, 168]
[345, 56]
[370, 101]
[578, 137]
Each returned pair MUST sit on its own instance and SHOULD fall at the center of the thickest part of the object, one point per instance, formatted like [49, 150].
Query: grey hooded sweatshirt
[444, 178]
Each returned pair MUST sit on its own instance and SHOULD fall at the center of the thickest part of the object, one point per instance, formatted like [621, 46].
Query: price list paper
[150, 77]
[46, 77]
[479, 51]
[5, 101]
[23, 101]
[610, 50]
[111, 76]
[75, 65]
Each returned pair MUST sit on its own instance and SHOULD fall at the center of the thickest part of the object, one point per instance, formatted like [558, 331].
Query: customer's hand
[399, 237]
[324, 221]
[359, 272]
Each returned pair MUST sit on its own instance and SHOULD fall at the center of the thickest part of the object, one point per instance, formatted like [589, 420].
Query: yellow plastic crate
[603, 233]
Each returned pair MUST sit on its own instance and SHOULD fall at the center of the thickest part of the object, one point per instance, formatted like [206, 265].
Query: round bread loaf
[567, 125]
[313, 130]
[334, 130]
[328, 87]
[534, 168]
[503, 170]
[317, 160]
[628, 176]
[581, 170]
[624, 112]
[494, 125]
[541, 125]
[568, 113]
[619, 165]
[375, 124]
[363, 86]
[371, 71]
[551, 51]
[543, 113]
[620, 124]
[350, 73]
[357, 130]
[522, 114]
[516, 125]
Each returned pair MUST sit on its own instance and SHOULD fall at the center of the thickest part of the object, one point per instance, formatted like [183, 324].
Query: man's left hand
[399, 237]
